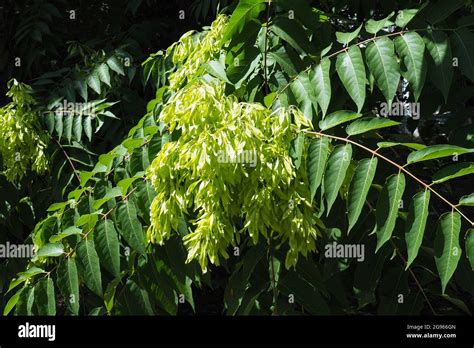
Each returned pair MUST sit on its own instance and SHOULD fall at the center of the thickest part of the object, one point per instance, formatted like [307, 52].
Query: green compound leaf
[115, 65]
[436, 151]
[416, 223]
[107, 245]
[351, 70]
[304, 94]
[70, 231]
[470, 246]
[345, 38]
[45, 298]
[441, 72]
[383, 65]
[318, 153]
[94, 82]
[367, 124]
[453, 171]
[338, 117]
[463, 46]
[336, 171]
[130, 227]
[415, 146]
[359, 188]
[104, 74]
[374, 26]
[87, 255]
[12, 302]
[68, 283]
[51, 250]
[446, 247]
[320, 79]
[411, 48]
[405, 16]
[387, 208]
[467, 200]
[244, 12]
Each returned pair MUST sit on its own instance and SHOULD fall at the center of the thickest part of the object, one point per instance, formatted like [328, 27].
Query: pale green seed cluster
[227, 198]
[193, 50]
[22, 144]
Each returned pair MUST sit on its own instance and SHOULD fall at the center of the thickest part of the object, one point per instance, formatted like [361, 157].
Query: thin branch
[68, 159]
[400, 168]
[367, 41]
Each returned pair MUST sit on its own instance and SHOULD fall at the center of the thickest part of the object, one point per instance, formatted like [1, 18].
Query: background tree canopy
[237, 157]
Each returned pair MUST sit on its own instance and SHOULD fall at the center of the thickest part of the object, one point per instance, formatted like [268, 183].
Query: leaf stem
[400, 168]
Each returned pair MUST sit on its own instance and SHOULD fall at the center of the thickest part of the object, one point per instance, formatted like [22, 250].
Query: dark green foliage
[394, 182]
